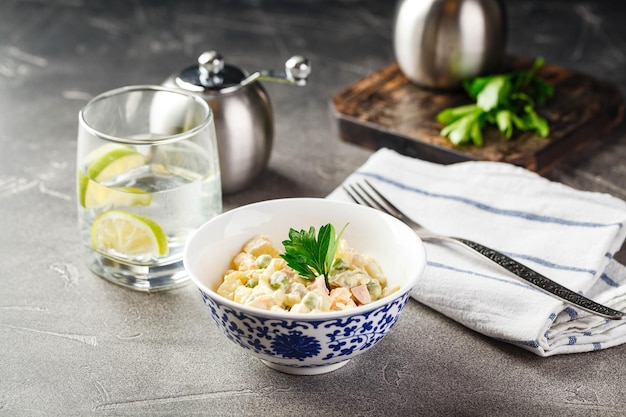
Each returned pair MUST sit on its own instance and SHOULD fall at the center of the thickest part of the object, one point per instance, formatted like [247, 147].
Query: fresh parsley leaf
[505, 100]
[465, 126]
[504, 120]
[311, 256]
[451, 114]
[494, 93]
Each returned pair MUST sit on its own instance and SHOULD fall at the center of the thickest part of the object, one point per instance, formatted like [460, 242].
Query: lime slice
[93, 195]
[101, 151]
[113, 162]
[103, 164]
[83, 182]
[128, 234]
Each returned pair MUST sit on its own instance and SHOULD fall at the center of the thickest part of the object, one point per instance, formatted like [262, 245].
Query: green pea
[375, 289]
[338, 265]
[311, 300]
[263, 261]
[279, 279]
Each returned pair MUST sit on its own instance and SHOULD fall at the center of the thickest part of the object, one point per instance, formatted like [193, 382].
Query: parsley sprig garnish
[311, 256]
[505, 100]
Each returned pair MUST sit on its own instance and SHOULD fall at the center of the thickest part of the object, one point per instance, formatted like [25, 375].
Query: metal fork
[374, 199]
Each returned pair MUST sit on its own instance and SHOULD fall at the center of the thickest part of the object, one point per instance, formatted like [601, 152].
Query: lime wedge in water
[97, 195]
[106, 163]
[114, 162]
[128, 234]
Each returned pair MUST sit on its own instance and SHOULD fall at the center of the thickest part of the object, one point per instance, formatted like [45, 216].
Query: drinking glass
[148, 177]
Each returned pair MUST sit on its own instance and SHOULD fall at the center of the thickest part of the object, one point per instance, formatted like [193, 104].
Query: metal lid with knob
[213, 74]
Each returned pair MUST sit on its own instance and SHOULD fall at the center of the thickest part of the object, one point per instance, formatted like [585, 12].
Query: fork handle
[541, 282]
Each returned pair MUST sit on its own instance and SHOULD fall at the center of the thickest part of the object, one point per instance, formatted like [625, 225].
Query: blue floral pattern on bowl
[289, 342]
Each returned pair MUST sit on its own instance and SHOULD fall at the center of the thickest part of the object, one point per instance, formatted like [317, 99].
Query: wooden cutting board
[385, 109]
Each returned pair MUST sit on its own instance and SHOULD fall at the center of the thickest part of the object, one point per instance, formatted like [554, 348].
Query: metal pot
[438, 43]
[242, 112]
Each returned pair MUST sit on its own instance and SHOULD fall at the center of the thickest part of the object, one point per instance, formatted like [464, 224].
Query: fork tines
[371, 198]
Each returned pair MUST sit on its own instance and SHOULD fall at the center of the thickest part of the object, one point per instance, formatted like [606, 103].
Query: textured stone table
[72, 344]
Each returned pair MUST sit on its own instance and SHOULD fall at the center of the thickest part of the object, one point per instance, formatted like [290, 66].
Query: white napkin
[567, 235]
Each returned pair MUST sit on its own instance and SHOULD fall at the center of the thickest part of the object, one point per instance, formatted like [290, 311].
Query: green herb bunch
[506, 100]
[311, 257]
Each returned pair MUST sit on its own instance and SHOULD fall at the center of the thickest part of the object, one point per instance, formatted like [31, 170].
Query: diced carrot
[341, 298]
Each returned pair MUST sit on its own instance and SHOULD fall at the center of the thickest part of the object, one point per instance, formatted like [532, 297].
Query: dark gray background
[74, 345]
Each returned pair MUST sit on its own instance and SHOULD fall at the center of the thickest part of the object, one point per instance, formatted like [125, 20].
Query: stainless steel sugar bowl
[438, 43]
[242, 111]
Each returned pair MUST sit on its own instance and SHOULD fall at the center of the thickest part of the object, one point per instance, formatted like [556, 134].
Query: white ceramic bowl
[302, 343]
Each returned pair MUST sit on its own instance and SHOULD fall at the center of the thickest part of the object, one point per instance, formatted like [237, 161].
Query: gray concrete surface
[74, 345]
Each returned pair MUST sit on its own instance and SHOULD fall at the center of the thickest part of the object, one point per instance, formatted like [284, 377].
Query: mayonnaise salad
[261, 278]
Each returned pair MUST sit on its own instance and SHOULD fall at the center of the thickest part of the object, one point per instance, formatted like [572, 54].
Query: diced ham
[319, 283]
[361, 294]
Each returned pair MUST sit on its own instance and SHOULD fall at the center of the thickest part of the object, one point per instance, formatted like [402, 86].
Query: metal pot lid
[212, 74]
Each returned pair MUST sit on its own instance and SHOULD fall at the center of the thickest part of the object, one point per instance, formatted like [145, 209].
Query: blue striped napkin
[565, 234]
